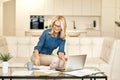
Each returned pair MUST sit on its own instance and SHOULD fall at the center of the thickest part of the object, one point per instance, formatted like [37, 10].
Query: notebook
[75, 62]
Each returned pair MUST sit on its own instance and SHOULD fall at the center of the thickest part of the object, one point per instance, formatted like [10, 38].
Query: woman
[51, 39]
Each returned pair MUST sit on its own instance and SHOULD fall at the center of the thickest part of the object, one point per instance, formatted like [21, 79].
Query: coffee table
[58, 75]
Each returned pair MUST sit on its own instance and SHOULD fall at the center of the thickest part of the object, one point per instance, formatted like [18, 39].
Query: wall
[108, 18]
[117, 18]
[23, 13]
[81, 22]
[9, 18]
[1, 25]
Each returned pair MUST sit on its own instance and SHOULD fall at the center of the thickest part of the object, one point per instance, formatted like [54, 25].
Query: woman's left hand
[62, 56]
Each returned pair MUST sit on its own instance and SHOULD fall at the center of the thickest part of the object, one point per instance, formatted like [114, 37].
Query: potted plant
[5, 57]
[117, 23]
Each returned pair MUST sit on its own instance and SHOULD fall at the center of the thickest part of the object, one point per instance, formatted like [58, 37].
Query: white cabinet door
[96, 7]
[72, 7]
[77, 7]
[37, 6]
[91, 7]
[58, 7]
[49, 7]
[68, 7]
[86, 7]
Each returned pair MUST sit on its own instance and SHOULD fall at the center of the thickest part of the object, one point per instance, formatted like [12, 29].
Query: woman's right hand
[37, 58]
[62, 56]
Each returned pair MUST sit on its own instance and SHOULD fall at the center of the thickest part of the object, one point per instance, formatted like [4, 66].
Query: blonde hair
[63, 26]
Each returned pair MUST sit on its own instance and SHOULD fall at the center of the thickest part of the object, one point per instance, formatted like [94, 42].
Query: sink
[73, 33]
[76, 33]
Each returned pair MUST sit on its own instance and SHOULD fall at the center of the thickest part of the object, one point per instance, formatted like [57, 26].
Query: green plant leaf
[5, 56]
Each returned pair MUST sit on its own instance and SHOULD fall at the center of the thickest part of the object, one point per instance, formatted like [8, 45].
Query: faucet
[74, 25]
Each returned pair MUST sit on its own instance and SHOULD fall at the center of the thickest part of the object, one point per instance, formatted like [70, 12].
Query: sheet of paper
[42, 67]
[83, 72]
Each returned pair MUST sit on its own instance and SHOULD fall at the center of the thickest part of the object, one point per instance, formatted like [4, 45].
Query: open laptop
[75, 62]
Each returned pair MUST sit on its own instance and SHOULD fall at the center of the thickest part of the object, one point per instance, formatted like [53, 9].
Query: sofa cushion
[18, 62]
[94, 62]
[91, 46]
[21, 46]
[33, 43]
[12, 45]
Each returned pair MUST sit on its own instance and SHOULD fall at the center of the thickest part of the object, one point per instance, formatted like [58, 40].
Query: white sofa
[100, 50]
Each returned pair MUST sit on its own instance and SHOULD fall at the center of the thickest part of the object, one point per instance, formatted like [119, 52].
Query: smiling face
[57, 27]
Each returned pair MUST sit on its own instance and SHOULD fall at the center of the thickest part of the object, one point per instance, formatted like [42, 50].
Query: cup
[29, 65]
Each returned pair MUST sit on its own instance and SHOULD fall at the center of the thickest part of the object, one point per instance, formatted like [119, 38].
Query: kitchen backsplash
[77, 22]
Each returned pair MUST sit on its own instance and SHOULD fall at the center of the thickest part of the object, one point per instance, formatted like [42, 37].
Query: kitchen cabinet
[86, 7]
[96, 7]
[49, 7]
[68, 7]
[58, 7]
[91, 7]
[73, 7]
[77, 7]
[36, 6]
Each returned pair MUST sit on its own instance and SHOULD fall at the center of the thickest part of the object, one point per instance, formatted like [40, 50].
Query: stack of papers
[84, 72]
[43, 70]
[21, 73]
[39, 73]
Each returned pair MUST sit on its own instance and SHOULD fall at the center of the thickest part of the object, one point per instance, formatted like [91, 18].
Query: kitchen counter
[71, 33]
[77, 31]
